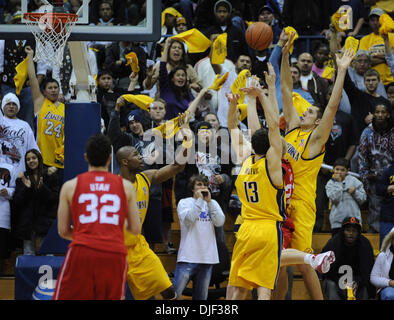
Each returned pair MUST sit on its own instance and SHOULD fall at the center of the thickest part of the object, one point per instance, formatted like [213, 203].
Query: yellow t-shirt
[50, 131]
[305, 170]
[141, 185]
[374, 43]
[259, 197]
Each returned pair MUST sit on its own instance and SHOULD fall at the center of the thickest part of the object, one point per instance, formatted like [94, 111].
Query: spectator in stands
[385, 189]
[374, 44]
[321, 56]
[311, 81]
[174, 87]
[382, 275]
[346, 194]
[7, 187]
[236, 43]
[118, 8]
[108, 93]
[361, 64]
[16, 135]
[358, 14]
[244, 61]
[176, 56]
[354, 260]
[266, 14]
[135, 122]
[35, 201]
[275, 60]
[115, 60]
[308, 18]
[376, 151]
[390, 93]
[106, 14]
[50, 114]
[198, 252]
[181, 25]
[363, 103]
[13, 53]
[136, 12]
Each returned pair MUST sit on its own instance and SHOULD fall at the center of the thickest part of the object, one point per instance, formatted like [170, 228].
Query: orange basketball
[259, 36]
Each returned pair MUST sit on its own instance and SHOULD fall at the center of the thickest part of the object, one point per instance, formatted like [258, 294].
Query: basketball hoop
[51, 31]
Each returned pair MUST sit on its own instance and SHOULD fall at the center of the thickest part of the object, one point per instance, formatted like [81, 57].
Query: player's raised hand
[344, 61]
[289, 42]
[270, 76]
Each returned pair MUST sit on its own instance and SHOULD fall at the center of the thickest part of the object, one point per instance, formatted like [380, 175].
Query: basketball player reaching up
[93, 208]
[306, 138]
[243, 149]
[146, 275]
[49, 111]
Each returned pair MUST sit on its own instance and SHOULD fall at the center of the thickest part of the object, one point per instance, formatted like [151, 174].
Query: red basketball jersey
[98, 209]
[288, 178]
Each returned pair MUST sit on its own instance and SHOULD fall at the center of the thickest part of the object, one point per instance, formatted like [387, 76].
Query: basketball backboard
[147, 30]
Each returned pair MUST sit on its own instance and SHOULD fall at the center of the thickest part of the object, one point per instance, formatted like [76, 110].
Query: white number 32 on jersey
[112, 205]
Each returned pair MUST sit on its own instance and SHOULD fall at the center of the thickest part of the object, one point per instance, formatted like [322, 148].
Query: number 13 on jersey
[251, 191]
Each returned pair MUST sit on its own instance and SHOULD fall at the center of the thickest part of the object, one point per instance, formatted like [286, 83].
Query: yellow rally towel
[386, 24]
[133, 61]
[243, 108]
[239, 83]
[218, 82]
[170, 128]
[219, 49]
[141, 100]
[21, 75]
[300, 103]
[171, 11]
[194, 39]
[351, 43]
[289, 30]
[340, 20]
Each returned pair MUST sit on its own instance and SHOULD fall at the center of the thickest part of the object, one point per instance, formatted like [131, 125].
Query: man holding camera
[198, 215]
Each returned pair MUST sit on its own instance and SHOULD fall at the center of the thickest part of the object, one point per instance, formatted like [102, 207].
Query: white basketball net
[51, 34]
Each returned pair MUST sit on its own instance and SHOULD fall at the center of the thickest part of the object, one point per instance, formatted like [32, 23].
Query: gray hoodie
[344, 204]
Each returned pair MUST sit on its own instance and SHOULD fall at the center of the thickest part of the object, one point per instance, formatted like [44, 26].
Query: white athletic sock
[308, 258]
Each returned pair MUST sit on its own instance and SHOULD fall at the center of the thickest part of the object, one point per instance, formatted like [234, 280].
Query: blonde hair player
[306, 138]
[237, 290]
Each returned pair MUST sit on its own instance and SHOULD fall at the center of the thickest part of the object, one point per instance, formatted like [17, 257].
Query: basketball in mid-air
[259, 36]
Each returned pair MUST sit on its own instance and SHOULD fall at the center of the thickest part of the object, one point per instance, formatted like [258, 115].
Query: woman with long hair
[34, 204]
[382, 274]
[174, 86]
[176, 56]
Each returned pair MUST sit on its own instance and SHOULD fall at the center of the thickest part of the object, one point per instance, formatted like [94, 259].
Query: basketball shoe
[321, 262]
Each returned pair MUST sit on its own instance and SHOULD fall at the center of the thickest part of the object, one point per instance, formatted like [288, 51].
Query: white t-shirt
[16, 138]
[197, 220]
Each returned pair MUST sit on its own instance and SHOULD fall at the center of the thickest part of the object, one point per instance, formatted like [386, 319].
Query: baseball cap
[362, 53]
[268, 8]
[180, 20]
[223, 3]
[351, 221]
[376, 11]
[134, 115]
[203, 125]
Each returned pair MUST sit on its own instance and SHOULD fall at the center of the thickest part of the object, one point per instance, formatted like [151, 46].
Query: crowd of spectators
[177, 80]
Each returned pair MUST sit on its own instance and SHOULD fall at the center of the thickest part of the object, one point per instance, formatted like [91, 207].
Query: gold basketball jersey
[50, 132]
[305, 170]
[259, 197]
[141, 185]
